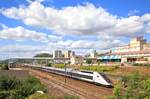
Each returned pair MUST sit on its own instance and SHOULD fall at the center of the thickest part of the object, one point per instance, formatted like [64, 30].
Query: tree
[43, 55]
[88, 61]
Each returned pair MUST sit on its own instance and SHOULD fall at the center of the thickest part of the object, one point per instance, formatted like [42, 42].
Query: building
[76, 60]
[136, 44]
[93, 54]
[73, 54]
[138, 50]
[69, 54]
[57, 54]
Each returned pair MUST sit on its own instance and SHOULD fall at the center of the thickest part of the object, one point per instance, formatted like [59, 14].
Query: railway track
[82, 89]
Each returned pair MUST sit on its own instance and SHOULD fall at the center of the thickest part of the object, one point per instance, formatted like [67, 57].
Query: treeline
[135, 86]
[44, 55]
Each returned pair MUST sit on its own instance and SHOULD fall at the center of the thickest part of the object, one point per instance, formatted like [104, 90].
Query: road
[58, 87]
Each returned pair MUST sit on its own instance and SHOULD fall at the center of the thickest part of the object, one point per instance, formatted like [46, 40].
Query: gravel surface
[57, 86]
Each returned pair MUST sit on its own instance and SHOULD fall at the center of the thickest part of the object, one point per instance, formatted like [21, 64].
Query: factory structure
[138, 50]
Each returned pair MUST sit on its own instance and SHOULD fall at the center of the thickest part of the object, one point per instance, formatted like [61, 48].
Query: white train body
[89, 76]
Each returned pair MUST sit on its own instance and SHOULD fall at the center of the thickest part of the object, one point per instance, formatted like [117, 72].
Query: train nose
[110, 85]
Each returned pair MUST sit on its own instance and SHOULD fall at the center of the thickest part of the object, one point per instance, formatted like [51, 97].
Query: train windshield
[105, 77]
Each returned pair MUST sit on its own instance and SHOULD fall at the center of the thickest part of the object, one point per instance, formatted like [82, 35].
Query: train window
[87, 72]
[82, 76]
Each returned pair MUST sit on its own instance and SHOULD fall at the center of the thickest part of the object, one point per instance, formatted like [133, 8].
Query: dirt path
[57, 86]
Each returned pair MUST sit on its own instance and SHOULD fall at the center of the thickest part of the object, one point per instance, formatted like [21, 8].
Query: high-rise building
[72, 53]
[57, 54]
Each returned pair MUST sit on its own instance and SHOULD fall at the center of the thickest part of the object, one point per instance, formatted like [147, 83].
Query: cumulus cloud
[21, 33]
[54, 38]
[133, 12]
[79, 20]
[17, 50]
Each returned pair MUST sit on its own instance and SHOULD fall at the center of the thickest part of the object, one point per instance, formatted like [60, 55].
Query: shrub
[12, 88]
[88, 61]
[4, 94]
[4, 66]
[137, 87]
[8, 83]
[49, 64]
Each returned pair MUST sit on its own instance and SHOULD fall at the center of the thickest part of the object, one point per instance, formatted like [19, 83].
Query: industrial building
[138, 50]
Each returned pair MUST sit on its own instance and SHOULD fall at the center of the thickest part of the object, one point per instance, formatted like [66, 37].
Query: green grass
[13, 88]
[39, 96]
[92, 68]
[46, 96]
[99, 68]
[133, 86]
[59, 65]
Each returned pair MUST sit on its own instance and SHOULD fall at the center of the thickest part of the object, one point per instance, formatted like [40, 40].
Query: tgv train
[89, 76]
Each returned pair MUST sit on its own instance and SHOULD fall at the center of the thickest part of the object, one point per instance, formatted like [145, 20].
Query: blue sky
[35, 26]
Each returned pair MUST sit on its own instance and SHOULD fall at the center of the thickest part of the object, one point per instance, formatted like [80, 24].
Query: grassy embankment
[13, 88]
[92, 68]
[133, 86]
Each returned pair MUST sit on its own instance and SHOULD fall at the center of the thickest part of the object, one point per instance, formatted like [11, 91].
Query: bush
[88, 61]
[4, 66]
[49, 65]
[19, 89]
[4, 94]
[8, 83]
[136, 87]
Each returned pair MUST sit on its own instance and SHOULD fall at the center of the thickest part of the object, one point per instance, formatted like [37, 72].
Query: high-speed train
[89, 76]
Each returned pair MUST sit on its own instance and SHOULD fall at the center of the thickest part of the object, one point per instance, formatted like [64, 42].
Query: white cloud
[131, 26]
[79, 20]
[54, 38]
[133, 12]
[20, 33]
[19, 50]
[76, 20]
[31, 1]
